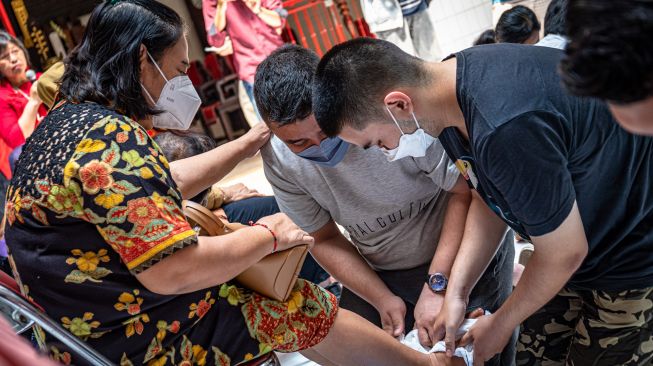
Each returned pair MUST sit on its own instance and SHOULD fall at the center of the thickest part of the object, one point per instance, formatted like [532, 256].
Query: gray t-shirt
[392, 210]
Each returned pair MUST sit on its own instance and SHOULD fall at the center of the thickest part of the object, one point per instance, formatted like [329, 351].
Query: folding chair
[24, 314]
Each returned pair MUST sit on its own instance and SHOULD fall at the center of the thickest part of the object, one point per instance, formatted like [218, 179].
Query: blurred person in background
[254, 28]
[518, 25]
[554, 25]
[406, 23]
[20, 111]
[610, 56]
[487, 37]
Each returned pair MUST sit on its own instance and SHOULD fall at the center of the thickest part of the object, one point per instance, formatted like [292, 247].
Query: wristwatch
[437, 282]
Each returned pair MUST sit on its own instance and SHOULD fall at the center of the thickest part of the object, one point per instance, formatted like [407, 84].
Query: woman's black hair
[105, 67]
[5, 39]
[487, 37]
[554, 20]
[516, 25]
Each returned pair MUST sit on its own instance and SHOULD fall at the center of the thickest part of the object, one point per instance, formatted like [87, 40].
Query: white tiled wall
[459, 22]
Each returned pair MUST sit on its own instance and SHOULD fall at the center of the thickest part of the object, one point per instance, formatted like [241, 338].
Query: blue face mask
[330, 152]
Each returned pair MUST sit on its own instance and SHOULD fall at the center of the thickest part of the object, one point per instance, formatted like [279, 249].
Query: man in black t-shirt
[554, 167]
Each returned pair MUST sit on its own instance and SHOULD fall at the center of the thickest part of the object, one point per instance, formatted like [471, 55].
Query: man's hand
[427, 309]
[238, 192]
[449, 320]
[489, 336]
[393, 312]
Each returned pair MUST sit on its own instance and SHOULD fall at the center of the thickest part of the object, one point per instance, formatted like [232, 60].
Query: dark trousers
[407, 284]
[253, 209]
[491, 291]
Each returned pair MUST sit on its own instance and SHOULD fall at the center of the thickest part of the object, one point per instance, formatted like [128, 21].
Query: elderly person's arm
[195, 174]
[221, 258]
[127, 192]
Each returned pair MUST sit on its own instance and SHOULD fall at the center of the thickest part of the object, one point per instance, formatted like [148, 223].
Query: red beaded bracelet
[274, 249]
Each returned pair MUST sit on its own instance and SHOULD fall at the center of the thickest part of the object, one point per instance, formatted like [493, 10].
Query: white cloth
[553, 41]
[466, 353]
[382, 15]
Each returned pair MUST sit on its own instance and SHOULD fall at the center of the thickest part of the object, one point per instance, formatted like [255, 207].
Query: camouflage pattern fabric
[581, 328]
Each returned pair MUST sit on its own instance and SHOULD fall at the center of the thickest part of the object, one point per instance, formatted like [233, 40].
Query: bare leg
[355, 341]
[316, 357]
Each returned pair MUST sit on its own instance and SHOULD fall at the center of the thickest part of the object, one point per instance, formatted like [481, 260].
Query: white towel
[466, 353]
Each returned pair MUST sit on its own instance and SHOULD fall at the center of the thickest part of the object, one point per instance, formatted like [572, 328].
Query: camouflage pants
[590, 328]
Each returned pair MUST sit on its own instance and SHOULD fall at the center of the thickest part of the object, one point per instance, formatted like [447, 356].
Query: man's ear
[399, 104]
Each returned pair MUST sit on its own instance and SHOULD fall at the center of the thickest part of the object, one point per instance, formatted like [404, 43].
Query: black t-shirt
[534, 149]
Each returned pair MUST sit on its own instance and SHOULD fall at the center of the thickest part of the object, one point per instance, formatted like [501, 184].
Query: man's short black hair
[554, 20]
[282, 85]
[610, 54]
[353, 78]
[516, 25]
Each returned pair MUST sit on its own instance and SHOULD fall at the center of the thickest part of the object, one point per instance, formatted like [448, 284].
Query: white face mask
[414, 144]
[178, 101]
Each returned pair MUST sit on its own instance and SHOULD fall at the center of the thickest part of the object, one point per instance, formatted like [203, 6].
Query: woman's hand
[253, 5]
[33, 93]
[238, 192]
[255, 138]
[288, 234]
[220, 21]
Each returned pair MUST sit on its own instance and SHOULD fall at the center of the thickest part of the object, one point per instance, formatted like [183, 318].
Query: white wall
[459, 22]
[195, 50]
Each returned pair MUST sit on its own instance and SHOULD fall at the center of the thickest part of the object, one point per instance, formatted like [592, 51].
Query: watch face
[438, 282]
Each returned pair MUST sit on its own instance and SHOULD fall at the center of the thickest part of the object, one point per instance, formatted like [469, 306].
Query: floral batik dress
[92, 204]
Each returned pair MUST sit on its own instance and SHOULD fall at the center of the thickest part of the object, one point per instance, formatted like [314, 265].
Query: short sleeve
[526, 161]
[127, 191]
[437, 166]
[292, 200]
